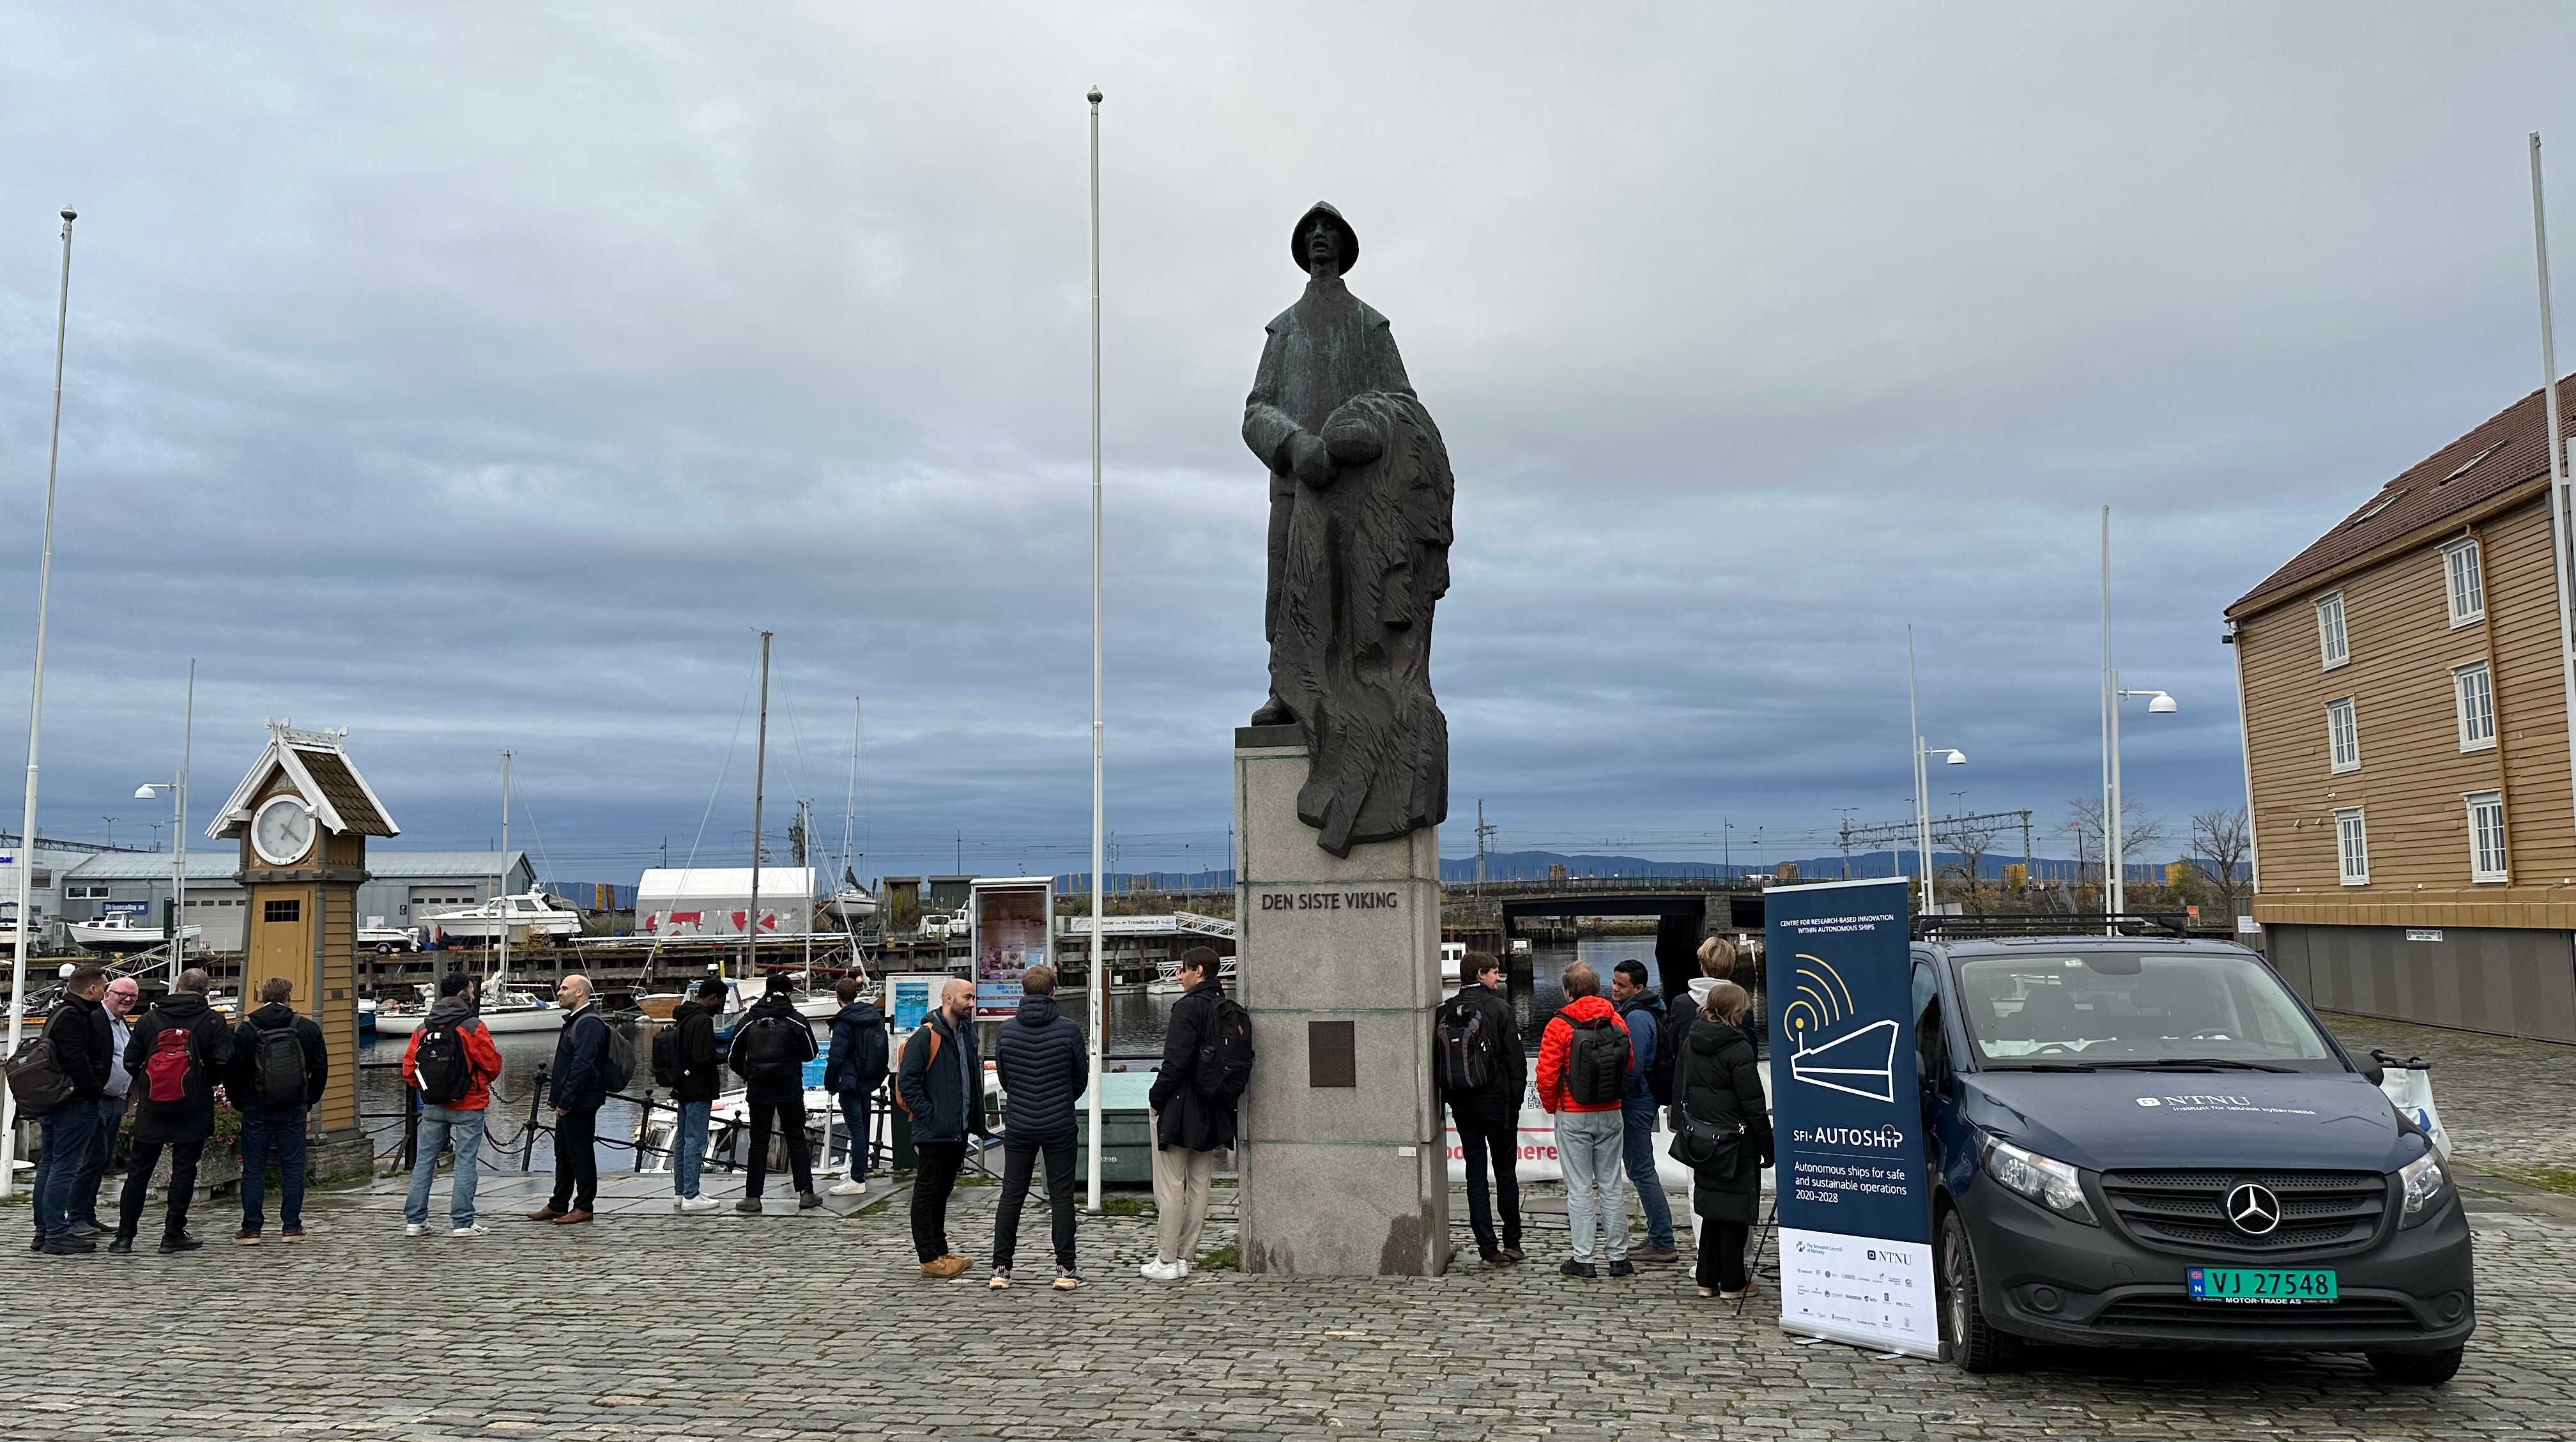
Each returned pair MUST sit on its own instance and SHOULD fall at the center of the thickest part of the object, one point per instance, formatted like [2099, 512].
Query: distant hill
[1536, 865]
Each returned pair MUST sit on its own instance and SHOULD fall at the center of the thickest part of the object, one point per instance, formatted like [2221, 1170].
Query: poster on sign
[1855, 1213]
[914, 997]
[1014, 919]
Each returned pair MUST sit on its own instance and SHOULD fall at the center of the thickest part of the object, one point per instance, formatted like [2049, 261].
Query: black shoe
[69, 1246]
[37, 1243]
[86, 1229]
[120, 1247]
[1574, 1268]
[808, 1200]
[1493, 1256]
[179, 1243]
[1623, 1268]
[1513, 1254]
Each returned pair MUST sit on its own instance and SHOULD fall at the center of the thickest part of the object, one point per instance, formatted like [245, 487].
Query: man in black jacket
[1489, 1118]
[1190, 1127]
[854, 1071]
[693, 1024]
[770, 1049]
[178, 1052]
[579, 1085]
[940, 1085]
[78, 1029]
[279, 1065]
[1045, 1067]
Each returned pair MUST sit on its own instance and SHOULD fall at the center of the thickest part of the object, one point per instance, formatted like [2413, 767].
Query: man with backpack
[1583, 1083]
[177, 1054]
[1045, 1067]
[1207, 1061]
[940, 1086]
[279, 1064]
[770, 1049]
[856, 1068]
[580, 1086]
[685, 1059]
[1649, 1089]
[1477, 1058]
[452, 1063]
[76, 1035]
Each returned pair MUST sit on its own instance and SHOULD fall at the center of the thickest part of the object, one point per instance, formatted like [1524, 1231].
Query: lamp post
[2115, 892]
[1922, 783]
[178, 789]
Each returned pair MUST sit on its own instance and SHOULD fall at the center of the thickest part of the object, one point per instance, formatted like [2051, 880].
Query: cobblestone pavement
[2509, 1104]
[655, 1326]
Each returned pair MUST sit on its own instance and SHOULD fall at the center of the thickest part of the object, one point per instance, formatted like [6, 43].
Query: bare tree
[2221, 842]
[1972, 840]
[2139, 833]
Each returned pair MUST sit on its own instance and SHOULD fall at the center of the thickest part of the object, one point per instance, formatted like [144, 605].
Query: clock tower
[303, 815]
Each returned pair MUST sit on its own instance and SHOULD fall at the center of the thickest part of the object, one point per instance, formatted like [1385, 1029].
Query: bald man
[940, 1085]
[579, 1084]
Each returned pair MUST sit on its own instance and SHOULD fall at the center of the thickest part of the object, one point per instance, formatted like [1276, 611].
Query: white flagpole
[2562, 517]
[35, 719]
[1099, 982]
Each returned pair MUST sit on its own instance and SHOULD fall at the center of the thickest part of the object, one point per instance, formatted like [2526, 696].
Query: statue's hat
[1350, 237]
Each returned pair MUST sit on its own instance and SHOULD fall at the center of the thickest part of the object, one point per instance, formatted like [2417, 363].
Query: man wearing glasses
[122, 997]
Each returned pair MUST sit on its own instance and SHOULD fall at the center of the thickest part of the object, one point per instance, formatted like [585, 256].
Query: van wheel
[2429, 1369]
[1974, 1345]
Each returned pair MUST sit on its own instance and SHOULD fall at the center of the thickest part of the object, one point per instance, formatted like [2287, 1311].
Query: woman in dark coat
[1722, 1084]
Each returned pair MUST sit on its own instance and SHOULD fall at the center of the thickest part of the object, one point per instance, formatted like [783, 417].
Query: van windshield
[2121, 1010]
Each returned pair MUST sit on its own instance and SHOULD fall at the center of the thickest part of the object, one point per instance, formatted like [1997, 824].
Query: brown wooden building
[2408, 761]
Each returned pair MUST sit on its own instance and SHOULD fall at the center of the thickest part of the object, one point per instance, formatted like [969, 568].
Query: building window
[2468, 588]
[279, 911]
[2486, 836]
[88, 893]
[2352, 848]
[2343, 737]
[2474, 693]
[2330, 643]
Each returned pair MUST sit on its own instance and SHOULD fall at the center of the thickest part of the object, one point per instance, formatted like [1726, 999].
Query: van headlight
[2045, 1180]
[2426, 1185]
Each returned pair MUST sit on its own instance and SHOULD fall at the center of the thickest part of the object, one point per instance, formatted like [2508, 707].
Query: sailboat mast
[501, 897]
[759, 792]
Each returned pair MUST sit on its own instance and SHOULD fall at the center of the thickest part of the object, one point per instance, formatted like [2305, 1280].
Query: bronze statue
[1360, 495]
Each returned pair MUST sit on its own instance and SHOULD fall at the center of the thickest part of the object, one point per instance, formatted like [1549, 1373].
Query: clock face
[281, 831]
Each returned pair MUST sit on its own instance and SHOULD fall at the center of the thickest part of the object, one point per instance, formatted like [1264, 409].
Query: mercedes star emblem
[2253, 1209]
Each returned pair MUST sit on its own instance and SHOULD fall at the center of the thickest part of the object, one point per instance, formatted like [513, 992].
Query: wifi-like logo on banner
[1825, 1050]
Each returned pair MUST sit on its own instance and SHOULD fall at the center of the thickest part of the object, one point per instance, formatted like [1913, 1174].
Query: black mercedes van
[2141, 1142]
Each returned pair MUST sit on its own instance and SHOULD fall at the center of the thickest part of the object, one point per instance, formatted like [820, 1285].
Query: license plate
[2275, 1288]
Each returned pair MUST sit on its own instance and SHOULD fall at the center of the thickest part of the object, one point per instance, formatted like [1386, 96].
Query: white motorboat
[852, 904]
[505, 1012]
[530, 914]
[120, 934]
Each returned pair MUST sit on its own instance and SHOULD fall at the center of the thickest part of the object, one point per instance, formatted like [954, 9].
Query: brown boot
[546, 1213]
[573, 1218]
[944, 1268]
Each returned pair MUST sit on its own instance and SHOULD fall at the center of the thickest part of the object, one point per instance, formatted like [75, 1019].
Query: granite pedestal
[1343, 1169]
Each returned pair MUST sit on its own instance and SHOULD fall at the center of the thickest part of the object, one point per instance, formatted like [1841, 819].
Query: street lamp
[1922, 783]
[2115, 885]
[177, 932]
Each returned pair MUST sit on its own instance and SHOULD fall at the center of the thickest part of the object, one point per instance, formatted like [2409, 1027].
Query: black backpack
[276, 1066]
[445, 1071]
[767, 1051]
[1659, 1077]
[1463, 1048]
[36, 1077]
[1596, 1066]
[667, 1071]
[1225, 1053]
[616, 1059]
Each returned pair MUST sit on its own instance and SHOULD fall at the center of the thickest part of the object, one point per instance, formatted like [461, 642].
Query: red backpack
[165, 1072]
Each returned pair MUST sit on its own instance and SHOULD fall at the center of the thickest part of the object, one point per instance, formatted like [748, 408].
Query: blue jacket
[857, 1062]
[946, 1100]
[581, 1055]
[1045, 1065]
[1644, 1016]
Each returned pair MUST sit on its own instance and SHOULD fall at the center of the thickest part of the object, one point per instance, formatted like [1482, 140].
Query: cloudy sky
[486, 377]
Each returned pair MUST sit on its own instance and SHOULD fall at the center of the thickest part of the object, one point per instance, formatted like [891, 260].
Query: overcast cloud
[484, 377]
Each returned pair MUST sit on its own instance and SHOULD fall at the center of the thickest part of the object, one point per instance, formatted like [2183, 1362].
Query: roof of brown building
[2504, 451]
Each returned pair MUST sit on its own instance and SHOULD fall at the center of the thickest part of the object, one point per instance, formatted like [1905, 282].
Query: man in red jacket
[1582, 1081]
[455, 1085]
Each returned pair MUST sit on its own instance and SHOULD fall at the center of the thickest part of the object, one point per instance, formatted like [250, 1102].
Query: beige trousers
[1181, 1179]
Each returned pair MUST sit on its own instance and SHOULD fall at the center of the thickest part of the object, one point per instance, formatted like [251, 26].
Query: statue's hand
[1309, 458]
[1352, 442]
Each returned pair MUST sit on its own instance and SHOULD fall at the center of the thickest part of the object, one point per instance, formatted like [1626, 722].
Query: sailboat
[502, 1010]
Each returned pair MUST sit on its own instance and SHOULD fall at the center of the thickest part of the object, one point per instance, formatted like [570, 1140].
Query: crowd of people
[1608, 1069]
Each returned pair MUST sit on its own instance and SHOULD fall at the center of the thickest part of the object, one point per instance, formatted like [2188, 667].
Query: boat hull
[506, 1023]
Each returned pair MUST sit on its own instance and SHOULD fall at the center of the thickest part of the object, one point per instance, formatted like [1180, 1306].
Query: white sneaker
[1180, 1269]
[415, 1229]
[699, 1203]
[1161, 1271]
[851, 1188]
[471, 1229]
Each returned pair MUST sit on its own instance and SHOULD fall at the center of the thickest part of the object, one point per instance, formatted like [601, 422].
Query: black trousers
[1489, 1133]
[576, 1160]
[931, 1186]
[1721, 1256]
[1019, 1159]
[786, 1115]
[138, 1180]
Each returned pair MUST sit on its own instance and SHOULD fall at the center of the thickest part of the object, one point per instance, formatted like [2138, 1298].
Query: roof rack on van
[2053, 923]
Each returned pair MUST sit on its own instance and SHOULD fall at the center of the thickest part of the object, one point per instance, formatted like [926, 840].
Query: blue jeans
[66, 1134]
[1588, 1143]
[1637, 1132]
[858, 1117]
[278, 1130]
[111, 1115]
[438, 1127]
[689, 1148]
